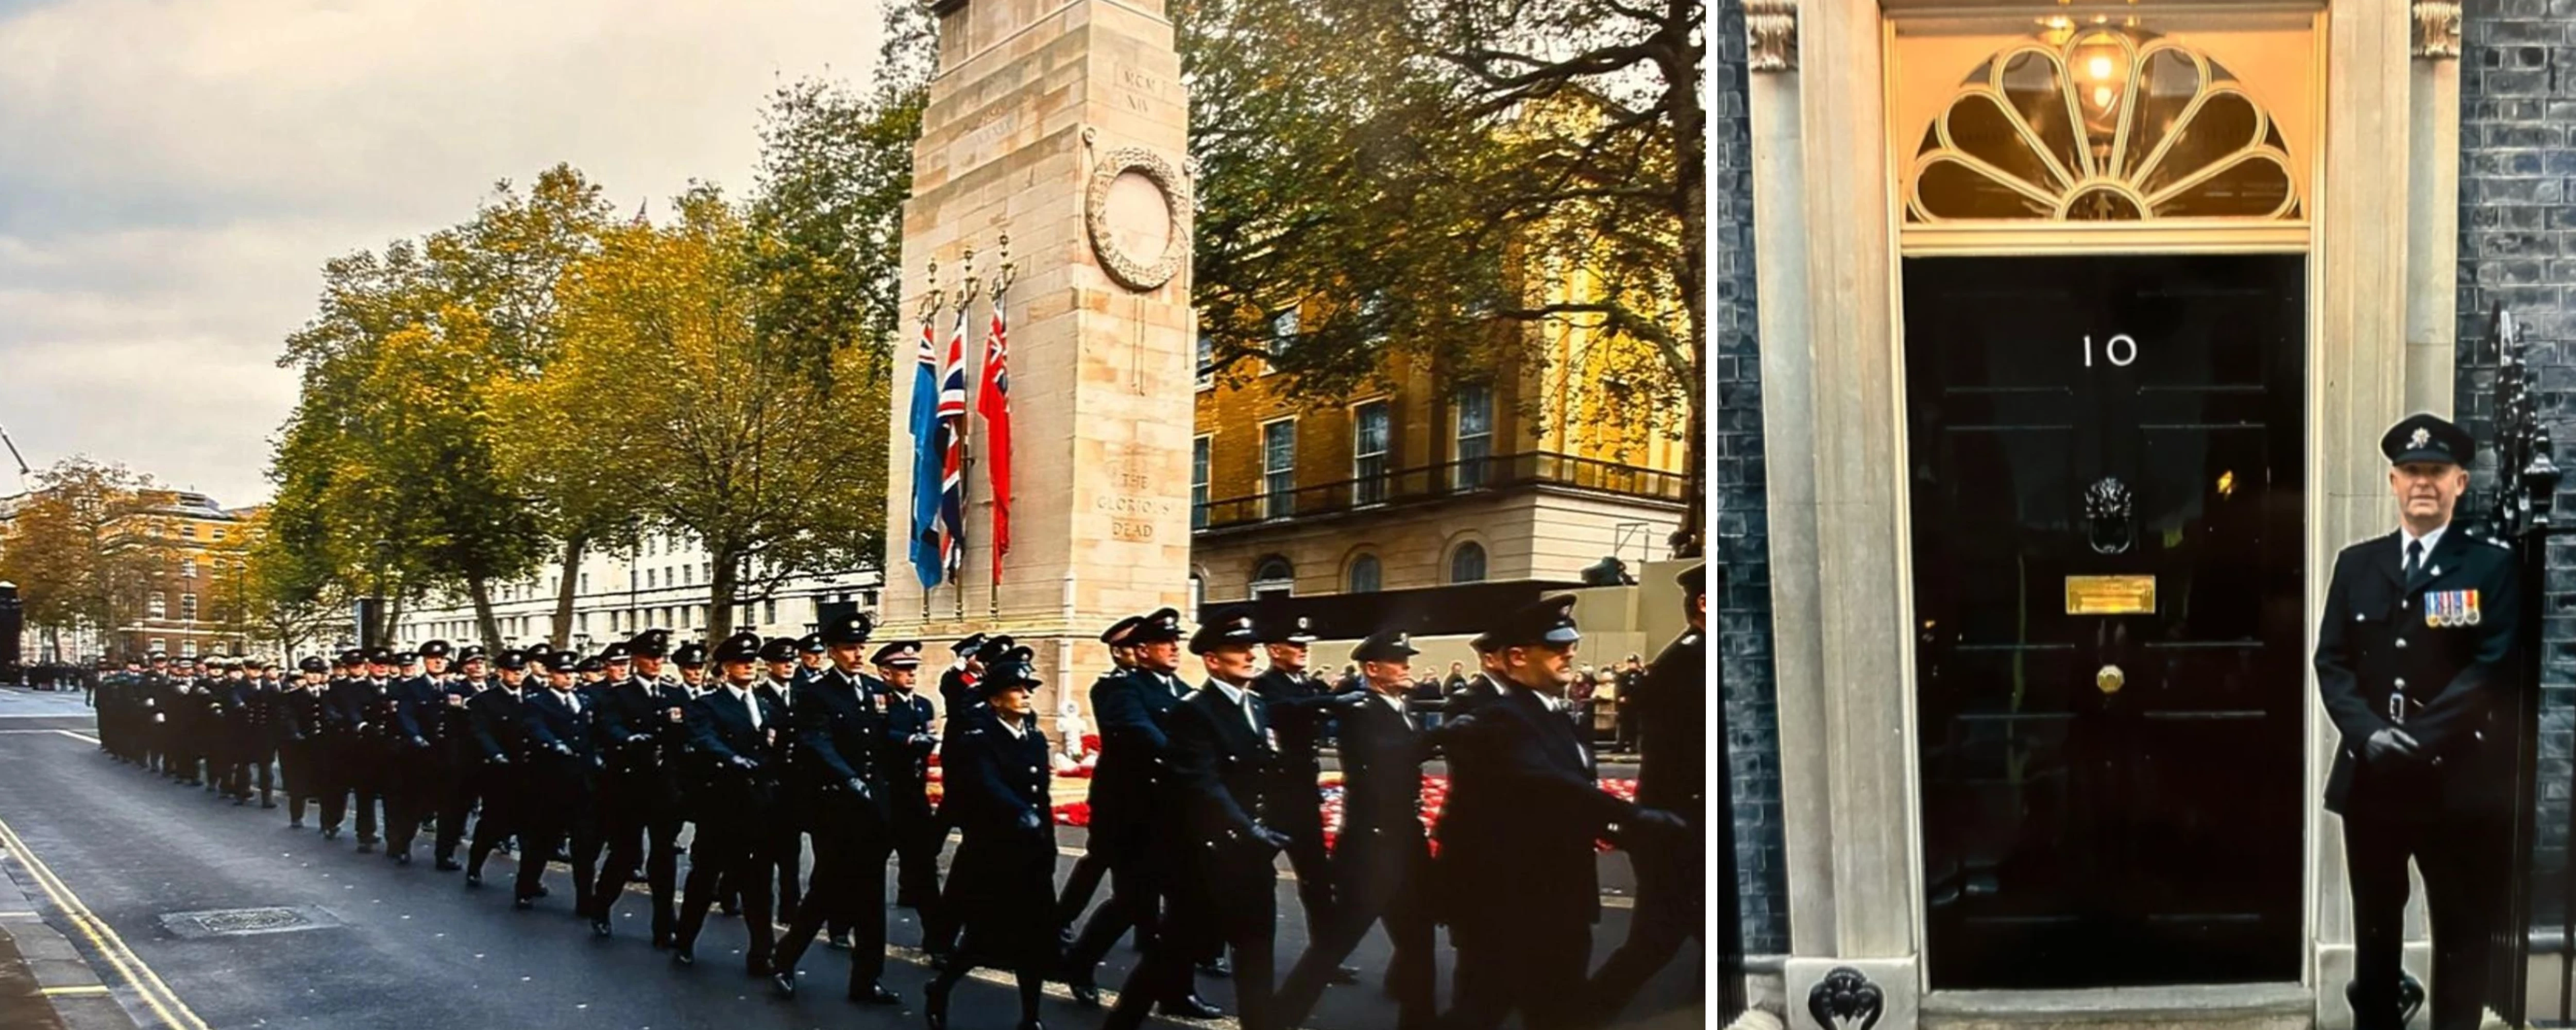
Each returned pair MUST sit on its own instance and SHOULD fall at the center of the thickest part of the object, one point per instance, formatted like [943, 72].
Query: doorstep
[2199, 1007]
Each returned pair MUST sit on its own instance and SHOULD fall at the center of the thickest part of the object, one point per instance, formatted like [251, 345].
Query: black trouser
[2460, 857]
[1534, 970]
[1296, 808]
[1080, 885]
[732, 847]
[254, 768]
[1377, 877]
[1223, 897]
[1671, 901]
[457, 794]
[295, 768]
[917, 837]
[559, 813]
[354, 770]
[407, 794]
[849, 890]
[641, 825]
[1139, 884]
[503, 811]
[787, 857]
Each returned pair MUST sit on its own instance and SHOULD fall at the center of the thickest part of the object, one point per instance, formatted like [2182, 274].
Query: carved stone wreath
[1134, 271]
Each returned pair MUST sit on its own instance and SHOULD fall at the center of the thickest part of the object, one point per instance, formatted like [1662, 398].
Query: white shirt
[743, 695]
[1397, 703]
[571, 699]
[1019, 730]
[2405, 541]
[1239, 699]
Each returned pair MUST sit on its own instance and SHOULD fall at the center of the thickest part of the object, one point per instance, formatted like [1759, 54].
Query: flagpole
[931, 303]
[965, 423]
[1001, 284]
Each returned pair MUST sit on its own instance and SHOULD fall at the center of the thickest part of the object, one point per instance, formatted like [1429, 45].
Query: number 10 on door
[2119, 350]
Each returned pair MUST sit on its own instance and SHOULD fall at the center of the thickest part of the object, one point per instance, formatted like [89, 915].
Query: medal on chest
[2446, 608]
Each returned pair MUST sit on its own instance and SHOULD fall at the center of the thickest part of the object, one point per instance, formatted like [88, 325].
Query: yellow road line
[148, 985]
[82, 989]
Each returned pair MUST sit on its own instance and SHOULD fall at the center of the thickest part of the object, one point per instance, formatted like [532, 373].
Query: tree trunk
[564, 594]
[721, 586]
[485, 622]
[1690, 133]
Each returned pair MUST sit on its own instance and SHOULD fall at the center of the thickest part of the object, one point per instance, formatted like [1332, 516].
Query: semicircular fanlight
[2105, 125]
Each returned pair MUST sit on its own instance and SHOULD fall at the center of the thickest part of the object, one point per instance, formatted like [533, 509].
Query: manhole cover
[243, 922]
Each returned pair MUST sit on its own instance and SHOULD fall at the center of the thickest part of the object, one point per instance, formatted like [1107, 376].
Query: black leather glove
[2390, 743]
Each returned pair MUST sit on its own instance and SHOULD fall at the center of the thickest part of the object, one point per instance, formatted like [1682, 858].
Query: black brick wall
[1743, 546]
[2518, 249]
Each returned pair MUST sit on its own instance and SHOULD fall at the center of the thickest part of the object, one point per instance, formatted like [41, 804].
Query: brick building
[189, 614]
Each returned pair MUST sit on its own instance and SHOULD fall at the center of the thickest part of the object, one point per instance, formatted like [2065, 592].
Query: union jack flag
[952, 436]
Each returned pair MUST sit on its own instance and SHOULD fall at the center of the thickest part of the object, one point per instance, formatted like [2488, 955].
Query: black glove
[1278, 841]
[2390, 742]
[1350, 699]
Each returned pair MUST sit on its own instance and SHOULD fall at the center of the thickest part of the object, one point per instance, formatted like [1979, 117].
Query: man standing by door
[2412, 665]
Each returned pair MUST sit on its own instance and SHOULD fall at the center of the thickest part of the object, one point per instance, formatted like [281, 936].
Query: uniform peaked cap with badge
[1231, 627]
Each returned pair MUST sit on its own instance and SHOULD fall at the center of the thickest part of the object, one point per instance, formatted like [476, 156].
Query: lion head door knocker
[2108, 510]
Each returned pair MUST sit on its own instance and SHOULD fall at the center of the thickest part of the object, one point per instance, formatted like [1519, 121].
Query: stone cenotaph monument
[1063, 125]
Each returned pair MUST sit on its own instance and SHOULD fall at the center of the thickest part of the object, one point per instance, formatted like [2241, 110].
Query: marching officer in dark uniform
[350, 713]
[1516, 839]
[1224, 765]
[497, 725]
[1093, 866]
[1672, 708]
[1382, 866]
[298, 717]
[416, 706]
[1126, 790]
[2412, 663]
[256, 730]
[643, 737]
[1004, 875]
[562, 783]
[156, 695]
[1301, 707]
[794, 813]
[839, 728]
[734, 737]
[957, 682]
[904, 764]
[809, 657]
[691, 657]
[458, 755]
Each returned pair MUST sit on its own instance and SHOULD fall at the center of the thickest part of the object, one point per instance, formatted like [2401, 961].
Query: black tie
[2414, 558]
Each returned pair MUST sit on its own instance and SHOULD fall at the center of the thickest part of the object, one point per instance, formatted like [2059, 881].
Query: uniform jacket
[721, 730]
[1516, 838]
[838, 731]
[637, 736]
[1130, 708]
[1002, 882]
[498, 724]
[2377, 653]
[551, 721]
[1301, 707]
[349, 708]
[414, 710]
[1672, 702]
[903, 759]
[298, 713]
[957, 693]
[1221, 769]
[1382, 756]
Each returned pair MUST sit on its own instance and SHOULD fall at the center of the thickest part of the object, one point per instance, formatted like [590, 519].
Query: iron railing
[1424, 483]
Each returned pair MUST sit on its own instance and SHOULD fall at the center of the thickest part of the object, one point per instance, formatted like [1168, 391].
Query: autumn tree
[85, 549]
[739, 443]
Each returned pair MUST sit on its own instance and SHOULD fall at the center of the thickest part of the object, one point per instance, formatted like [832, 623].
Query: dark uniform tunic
[458, 759]
[497, 728]
[411, 758]
[903, 762]
[1670, 703]
[837, 729]
[562, 783]
[643, 744]
[350, 712]
[996, 788]
[738, 757]
[1126, 784]
[298, 713]
[2426, 654]
[1381, 867]
[1302, 708]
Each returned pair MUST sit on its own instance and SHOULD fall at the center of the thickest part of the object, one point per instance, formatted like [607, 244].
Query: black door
[2107, 481]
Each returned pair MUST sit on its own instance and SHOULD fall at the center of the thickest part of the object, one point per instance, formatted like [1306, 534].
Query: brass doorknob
[2110, 679]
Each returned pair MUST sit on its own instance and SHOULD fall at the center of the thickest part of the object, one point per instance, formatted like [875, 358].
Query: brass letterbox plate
[2110, 595]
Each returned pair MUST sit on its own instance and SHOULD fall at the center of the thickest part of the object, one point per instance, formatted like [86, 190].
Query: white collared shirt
[2430, 541]
[1397, 703]
[743, 695]
[1240, 699]
[1019, 730]
[571, 698]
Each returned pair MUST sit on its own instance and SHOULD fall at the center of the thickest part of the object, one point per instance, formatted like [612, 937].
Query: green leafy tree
[85, 549]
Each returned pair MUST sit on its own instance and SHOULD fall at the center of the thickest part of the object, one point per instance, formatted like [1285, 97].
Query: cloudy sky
[173, 173]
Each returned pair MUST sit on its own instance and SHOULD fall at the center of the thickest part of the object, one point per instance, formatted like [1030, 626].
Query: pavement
[124, 908]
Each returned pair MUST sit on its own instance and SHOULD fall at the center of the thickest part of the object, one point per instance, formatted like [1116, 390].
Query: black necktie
[2414, 558]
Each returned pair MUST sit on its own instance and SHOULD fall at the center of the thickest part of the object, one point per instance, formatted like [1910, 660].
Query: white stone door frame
[2381, 273]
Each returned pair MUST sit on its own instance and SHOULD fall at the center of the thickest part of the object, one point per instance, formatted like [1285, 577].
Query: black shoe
[1216, 967]
[1086, 992]
[785, 981]
[330, 833]
[684, 954]
[1191, 1006]
[598, 927]
[474, 878]
[238, 802]
[934, 1011]
[295, 824]
[366, 847]
[523, 903]
[838, 940]
[874, 994]
[402, 858]
[267, 804]
[1346, 974]
[449, 865]
[542, 892]
[662, 941]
